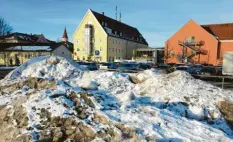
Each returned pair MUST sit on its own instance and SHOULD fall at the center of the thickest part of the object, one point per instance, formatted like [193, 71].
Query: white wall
[63, 52]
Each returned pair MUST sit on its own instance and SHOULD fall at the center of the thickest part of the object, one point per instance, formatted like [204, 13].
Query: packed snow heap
[50, 98]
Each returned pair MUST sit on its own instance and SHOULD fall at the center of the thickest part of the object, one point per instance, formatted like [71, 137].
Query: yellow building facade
[19, 57]
[100, 38]
[17, 48]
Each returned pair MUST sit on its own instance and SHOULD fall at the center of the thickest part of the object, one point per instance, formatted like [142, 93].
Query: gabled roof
[68, 45]
[45, 48]
[220, 31]
[26, 38]
[30, 48]
[128, 32]
[42, 39]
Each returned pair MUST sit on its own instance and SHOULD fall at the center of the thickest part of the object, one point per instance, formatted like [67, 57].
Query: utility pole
[120, 16]
[116, 13]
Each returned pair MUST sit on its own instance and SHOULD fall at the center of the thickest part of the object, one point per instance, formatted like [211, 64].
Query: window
[78, 49]
[112, 49]
[101, 49]
[120, 34]
[115, 32]
[100, 40]
[106, 24]
[113, 41]
[62, 53]
[100, 58]
[190, 39]
[102, 23]
[77, 40]
[119, 50]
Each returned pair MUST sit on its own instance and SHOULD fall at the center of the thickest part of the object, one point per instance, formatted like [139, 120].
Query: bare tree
[5, 27]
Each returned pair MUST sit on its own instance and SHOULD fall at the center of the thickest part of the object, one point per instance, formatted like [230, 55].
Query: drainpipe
[21, 55]
[107, 50]
[126, 49]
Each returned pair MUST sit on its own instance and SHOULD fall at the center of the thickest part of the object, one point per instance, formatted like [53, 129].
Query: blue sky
[156, 20]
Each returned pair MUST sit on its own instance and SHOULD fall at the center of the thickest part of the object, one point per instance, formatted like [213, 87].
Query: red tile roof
[221, 31]
[128, 32]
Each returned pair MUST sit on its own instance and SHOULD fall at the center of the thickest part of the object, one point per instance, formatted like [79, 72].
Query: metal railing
[216, 77]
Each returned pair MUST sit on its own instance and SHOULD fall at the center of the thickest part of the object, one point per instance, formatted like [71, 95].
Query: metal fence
[222, 78]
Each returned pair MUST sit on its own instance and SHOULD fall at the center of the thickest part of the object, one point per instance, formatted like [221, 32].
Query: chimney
[102, 13]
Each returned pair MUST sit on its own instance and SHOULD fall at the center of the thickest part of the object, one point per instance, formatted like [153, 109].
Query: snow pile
[182, 87]
[48, 67]
[106, 106]
[114, 83]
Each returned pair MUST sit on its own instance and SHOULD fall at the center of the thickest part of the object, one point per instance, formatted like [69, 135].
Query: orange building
[195, 43]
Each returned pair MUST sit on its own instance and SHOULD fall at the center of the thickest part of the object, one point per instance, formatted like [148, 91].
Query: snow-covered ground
[166, 107]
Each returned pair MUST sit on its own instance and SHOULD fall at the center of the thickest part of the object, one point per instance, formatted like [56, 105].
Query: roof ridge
[217, 24]
[113, 19]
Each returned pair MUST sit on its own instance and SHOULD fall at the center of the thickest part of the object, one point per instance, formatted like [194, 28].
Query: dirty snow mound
[55, 100]
[48, 67]
[182, 87]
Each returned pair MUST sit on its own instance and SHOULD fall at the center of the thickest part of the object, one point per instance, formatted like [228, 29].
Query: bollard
[223, 83]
